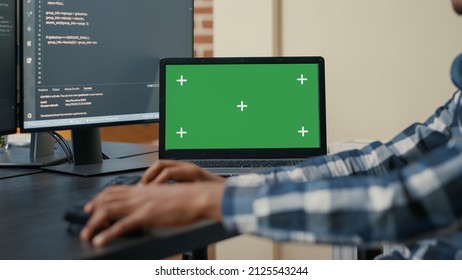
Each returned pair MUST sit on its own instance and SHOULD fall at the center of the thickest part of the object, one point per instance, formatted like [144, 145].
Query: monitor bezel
[13, 129]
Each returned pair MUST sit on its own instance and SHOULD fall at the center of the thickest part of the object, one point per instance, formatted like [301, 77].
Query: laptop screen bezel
[233, 153]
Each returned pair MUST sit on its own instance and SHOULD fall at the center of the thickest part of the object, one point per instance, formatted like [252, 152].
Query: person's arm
[420, 198]
[274, 204]
[376, 158]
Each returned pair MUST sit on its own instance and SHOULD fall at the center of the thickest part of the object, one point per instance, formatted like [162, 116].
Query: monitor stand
[42, 151]
[88, 157]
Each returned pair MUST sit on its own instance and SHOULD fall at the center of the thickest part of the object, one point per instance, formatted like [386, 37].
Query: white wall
[245, 27]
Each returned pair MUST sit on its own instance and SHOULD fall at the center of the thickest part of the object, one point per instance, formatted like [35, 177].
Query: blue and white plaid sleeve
[384, 192]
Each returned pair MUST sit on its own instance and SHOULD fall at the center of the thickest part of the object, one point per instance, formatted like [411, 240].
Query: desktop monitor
[7, 66]
[92, 63]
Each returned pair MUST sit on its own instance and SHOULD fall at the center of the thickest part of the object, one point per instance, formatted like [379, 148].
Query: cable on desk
[64, 145]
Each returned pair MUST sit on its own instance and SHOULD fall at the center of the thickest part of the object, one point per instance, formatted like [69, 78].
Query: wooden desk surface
[32, 226]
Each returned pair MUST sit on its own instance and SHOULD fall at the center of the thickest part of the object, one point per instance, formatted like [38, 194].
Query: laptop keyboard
[245, 163]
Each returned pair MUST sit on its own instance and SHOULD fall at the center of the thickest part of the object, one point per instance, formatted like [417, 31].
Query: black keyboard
[245, 163]
[76, 215]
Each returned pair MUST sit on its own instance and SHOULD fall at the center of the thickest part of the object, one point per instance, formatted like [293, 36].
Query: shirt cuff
[237, 207]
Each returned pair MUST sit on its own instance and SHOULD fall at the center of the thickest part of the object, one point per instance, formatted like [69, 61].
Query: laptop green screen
[242, 106]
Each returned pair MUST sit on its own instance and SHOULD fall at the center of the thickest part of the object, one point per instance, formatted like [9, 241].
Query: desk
[15, 172]
[32, 225]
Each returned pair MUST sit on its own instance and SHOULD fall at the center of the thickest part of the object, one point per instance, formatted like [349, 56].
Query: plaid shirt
[399, 191]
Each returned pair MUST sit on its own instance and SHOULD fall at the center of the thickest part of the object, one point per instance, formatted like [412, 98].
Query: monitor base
[108, 166]
[20, 157]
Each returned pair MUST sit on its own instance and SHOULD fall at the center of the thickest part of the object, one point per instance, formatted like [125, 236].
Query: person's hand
[163, 171]
[140, 207]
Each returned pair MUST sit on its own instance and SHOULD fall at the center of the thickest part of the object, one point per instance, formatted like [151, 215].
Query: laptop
[241, 115]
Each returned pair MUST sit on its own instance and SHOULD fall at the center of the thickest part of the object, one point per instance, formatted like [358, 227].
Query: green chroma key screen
[242, 106]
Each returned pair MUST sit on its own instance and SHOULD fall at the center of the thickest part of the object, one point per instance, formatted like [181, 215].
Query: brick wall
[203, 28]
